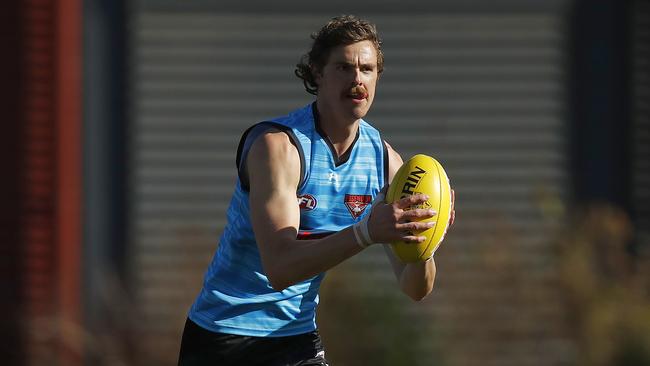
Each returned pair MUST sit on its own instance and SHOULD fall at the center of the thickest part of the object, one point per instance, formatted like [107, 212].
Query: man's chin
[359, 112]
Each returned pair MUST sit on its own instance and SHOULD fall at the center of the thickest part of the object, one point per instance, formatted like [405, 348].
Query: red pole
[38, 191]
[68, 120]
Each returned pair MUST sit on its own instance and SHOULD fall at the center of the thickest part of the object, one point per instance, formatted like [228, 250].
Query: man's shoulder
[270, 153]
[272, 138]
[296, 118]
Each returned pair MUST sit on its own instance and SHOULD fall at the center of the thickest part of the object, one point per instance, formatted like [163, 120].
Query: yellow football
[422, 174]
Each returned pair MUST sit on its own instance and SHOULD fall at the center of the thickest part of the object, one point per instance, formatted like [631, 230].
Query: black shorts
[200, 347]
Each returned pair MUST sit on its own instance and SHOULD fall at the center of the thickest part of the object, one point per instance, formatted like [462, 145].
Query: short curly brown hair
[340, 31]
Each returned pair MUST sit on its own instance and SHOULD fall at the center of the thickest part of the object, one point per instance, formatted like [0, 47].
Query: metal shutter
[480, 91]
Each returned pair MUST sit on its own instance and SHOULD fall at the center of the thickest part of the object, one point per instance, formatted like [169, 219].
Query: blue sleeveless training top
[237, 297]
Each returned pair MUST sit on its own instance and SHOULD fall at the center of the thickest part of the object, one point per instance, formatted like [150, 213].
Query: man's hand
[396, 222]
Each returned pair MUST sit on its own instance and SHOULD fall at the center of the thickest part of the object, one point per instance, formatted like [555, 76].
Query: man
[301, 206]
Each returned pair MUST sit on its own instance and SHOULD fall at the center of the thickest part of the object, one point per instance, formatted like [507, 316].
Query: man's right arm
[273, 166]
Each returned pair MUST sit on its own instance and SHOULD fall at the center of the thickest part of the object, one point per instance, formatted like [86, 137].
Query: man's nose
[357, 76]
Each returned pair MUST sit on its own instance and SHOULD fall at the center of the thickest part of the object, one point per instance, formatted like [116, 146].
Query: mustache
[358, 90]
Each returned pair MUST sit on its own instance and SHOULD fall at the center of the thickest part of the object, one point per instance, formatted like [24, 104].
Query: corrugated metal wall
[480, 91]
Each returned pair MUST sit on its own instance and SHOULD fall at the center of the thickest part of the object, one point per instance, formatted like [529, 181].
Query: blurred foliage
[606, 288]
[498, 291]
[116, 338]
[376, 326]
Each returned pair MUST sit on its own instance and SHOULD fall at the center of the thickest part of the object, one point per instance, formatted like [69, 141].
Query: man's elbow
[276, 272]
[277, 284]
[418, 296]
[277, 279]
[418, 293]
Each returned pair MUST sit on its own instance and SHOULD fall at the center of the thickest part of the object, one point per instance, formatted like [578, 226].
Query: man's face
[346, 85]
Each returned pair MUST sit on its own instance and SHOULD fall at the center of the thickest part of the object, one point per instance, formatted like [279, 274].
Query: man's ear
[318, 74]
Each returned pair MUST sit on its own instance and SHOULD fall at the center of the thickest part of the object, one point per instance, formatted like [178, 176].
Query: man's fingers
[414, 239]
[415, 226]
[417, 214]
[409, 201]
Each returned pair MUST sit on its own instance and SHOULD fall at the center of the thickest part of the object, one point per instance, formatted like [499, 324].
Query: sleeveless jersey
[237, 297]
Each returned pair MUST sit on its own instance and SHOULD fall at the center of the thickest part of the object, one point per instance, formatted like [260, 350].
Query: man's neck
[341, 132]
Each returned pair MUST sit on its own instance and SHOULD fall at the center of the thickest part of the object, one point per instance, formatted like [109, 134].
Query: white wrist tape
[360, 229]
[361, 233]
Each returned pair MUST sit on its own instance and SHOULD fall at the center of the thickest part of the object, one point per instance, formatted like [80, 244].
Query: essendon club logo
[307, 202]
[357, 203]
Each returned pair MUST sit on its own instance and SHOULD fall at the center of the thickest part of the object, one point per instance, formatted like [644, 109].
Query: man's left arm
[415, 279]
